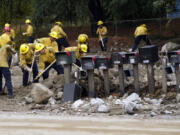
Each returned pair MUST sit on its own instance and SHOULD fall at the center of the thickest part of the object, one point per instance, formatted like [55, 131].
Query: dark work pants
[62, 42]
[58, 68]
[103, 48]
[30, 39]
[26, 74]
[138, 39]
[4, 71]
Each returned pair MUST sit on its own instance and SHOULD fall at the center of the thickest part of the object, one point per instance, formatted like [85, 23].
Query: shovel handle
[44, 70]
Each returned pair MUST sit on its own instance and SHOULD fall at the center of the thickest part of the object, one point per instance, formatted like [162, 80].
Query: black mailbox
[103, 63]
[118, 58]
[88, 62]
[148, 54]
[63, 58]
[174, 57]
[131, 58]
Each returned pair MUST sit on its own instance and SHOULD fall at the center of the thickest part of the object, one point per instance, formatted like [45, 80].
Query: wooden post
[67, 71]
[151, 81]
[106, 82]
[91, 83]
[164, 76]
[121, 80]
[177, 72]
[136, 78]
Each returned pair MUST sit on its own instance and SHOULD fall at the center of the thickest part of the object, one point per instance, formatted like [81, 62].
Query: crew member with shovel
[102, 34]
[28, 63]
[47, 60]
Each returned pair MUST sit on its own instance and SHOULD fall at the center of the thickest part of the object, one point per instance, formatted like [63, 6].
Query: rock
[103, 109]
[77, 104]
[28, 100]
[129, 107]
[118, 102]
[96, 101]
[40, 93]
[170, 46]
[167, 112]
[132, 97]
[59, 95]
[48, 84]
[178, 98]
[153, 114]
[52, 101]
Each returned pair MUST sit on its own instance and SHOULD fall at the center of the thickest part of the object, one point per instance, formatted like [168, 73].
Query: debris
[52, 101]
[40, 93]
[59, 95]
[152, 114]
[103, 109]
[178, 98]
[28, 100]
[77, 104]
[96, 101]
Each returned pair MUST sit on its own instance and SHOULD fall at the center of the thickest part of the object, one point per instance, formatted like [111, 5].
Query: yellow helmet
[27, 21]
[24, 49]
[7, 25]
[59, 23]
[84, 48]
[82, 39]
[100, 22]
[53, 34]
[39, 47]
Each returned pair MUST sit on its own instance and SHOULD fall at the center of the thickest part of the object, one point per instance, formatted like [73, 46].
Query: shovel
[29, 77]
[37, 77]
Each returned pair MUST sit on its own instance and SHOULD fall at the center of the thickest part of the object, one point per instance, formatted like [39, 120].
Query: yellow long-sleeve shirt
[29, 31]
[5, 54]
[59, 31]
[102, 32]
[27, 58]
[140, 30]
[48, 43]
[5, 39]
[76, 49]
[13, 34]
[47, 57]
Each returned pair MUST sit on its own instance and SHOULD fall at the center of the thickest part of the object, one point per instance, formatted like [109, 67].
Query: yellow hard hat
[82, 39]
[7, 25]
[59, 23]
[24, 49]
[39, 47]
[100, 22]
[53, 34]
[27, 21]
[84, 48]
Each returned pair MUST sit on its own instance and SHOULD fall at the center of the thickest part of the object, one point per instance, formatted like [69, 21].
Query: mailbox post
[88, 63]
[104, 64]
[164, 74]
[149, 55]
[174, 58]
[66, 59]
[132, 58]
[117, 59]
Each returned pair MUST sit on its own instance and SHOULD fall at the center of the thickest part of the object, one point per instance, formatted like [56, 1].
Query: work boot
[10, 96]
[2, 93]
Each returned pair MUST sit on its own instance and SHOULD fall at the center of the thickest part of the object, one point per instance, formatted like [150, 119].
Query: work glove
[36, 41]
[24, 33]
[28, 69]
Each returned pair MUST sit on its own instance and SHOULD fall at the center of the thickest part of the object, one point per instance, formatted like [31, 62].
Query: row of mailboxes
[147, 54]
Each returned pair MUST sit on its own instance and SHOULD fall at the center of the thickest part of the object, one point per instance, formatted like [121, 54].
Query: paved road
[66, 125]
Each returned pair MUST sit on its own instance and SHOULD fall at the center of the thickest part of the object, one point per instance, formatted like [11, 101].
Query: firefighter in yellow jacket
[12, 32]
[79, 51]
[102, 34]
[5, 38]
[62, 36]
[83, 39]
[46, 56]
[27, 59]
[29, 31]
[49, 41]
[6, 53]
[140, 33]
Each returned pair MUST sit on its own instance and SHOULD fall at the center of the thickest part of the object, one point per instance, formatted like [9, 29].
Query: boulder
[40, 93]
[170, 46]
